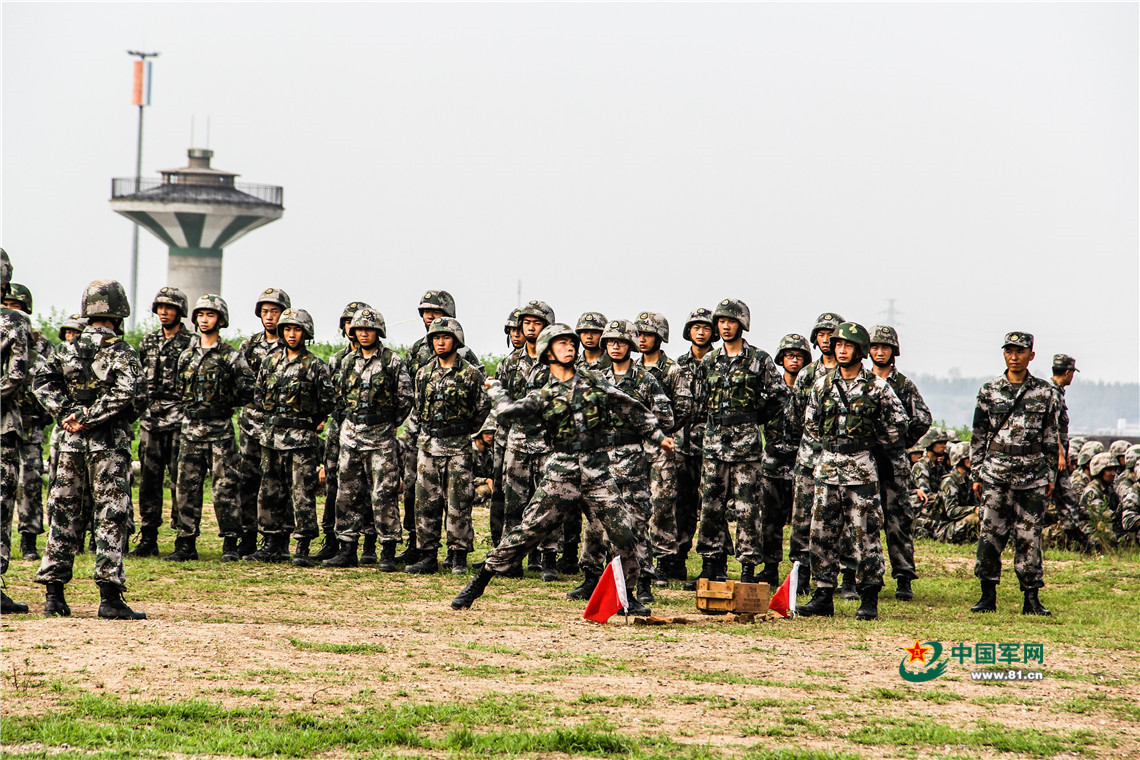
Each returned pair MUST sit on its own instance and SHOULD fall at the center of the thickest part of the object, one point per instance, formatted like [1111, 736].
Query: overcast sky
[975, 162]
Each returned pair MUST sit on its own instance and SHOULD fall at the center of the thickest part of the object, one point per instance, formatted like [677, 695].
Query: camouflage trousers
[688, 470]
[776, 498]
[1064, 501]
[1004, 511]
[445, 485]
[107, 474]
[158, 453]
[332, 477]
[368, 500]
[30, 500]
[853, 512]
[249, 450]
[9, 482]
[803, 497]
[630, 472]
[663, 501]
[570, 485]
[286, 500]
[898, 516]
[220, 461]
[730, 489]
[521, 474]
[409, 455]
[498, 500]
[964, 531]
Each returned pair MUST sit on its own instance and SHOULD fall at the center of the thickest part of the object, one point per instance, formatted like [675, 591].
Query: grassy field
[242, 660]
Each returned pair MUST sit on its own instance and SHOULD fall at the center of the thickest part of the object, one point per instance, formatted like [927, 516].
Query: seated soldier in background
[958, 523]
[1097, 507]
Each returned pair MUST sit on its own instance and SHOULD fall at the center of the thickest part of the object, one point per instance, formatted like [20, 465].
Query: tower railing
[131, 188]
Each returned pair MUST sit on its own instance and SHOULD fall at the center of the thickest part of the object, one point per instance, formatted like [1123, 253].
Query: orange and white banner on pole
[137, 90]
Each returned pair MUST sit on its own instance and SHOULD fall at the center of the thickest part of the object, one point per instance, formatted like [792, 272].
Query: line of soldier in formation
[582, 451]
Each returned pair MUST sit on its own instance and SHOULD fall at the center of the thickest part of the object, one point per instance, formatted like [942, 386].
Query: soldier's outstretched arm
[530, 405]
[119, 393]
[662, 407]
[633, 413]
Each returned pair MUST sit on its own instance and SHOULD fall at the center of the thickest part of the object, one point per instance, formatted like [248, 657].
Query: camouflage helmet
[447, 326]
[489, 425]
[74, 322]
[20, 293]
[620, 329]
[793, 342]
[369, 319]
[5, 268]
[700, 316]
[350, 310]
[654, 323]
[1132, 456]
[275, 296]
[854, 333]
[214, 303]
[106, 299]
[959, 452]
[932, 436]
[171, 296]
[1101, 462]
[733, 308]
[438, 299]
[828, 320]
[512, 322]
[549, 334]
[887, 336]
[1116, 448]
[1088, 451]
[1075, 444]
[297, 318]
[538, 309]
[592, 320]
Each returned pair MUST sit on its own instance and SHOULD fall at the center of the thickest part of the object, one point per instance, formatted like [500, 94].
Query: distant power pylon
[892, 313]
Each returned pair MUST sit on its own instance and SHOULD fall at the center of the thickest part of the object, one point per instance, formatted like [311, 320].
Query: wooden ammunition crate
[716, 597]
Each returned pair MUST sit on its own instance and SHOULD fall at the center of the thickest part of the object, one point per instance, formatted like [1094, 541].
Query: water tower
[197, 211]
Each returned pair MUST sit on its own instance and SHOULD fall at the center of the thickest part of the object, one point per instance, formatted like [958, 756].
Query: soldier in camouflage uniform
[159, 426]
[374, 392]
[69, 331]
[483, 461]
[92, 388]
[1060, 510]
[926, 476]
[590, 327]
[739, 391]
[578, 409]
[270, 304]
[515, 341]
[15, 345]
[959, 523]
[1014, 447]
[850, 412]
[1098, 506]
[451, 404]
[296, 395]
[803, 495]
[34, 418]
[214, 378]
[894, 466]
[1126, 526]
[1081, 476]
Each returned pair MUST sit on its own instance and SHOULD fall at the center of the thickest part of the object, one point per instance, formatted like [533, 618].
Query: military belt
[165, 397]
[1017, 449]
[621, 439]
[582, 443]
[374, 418]
[209, 413]
[291, 422]
[86, 395]
[732, 418]
[446, 431]
[847, 445]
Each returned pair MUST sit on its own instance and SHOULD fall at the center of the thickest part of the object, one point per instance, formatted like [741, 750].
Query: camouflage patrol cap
[275, 296]
[1064, 363]
[512, 322]
[734, 308]
[212, 302]
[887, 336]
[74, 322]
[1020, 339]
[447, 326]
[1088, 451]
[538, 309]
[1101, 462]
[369, 319]
[620, 329]
[792, 342]
[653, 323]
[297, 318]
[170, 296]
[591, 320]
[700, 316]
[20, 293]
[5, 269]
[959, 452]
[1132, 456]
[438, 299]
[853, 332]
[350, 310]
[105, 299]
[549, 334]
[828, 320]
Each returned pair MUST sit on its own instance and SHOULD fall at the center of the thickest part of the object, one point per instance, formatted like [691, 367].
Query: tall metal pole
[143, 99]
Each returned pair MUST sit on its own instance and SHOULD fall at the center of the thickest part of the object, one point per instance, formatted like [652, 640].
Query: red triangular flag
[609, 596]
[784, 600]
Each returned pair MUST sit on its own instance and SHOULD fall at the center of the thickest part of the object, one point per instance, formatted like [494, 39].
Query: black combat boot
[112, 606]
[54, 603]
[585, 589]
[568, 563]
[147, 546]
[270, 551]
[28, 546]
[720, 568]
[427, 564]
[534, 561]
[868, 603]
[988, 602]
[1032, 604]
[708, 571]
[770, 575]
[458, 562]
[230, 549]
[636, 607]
[368, 551]
[803, 580]
[301, 555]
[387, 562]
[248, 544]
[448, 559]
[473, 590]
[747, 573]
[664, 566]
[644, 590]
[821, 604]
[903, 591]
[409, 555]
[9, 606]
[679, 571]
[549, 566]
[847, 590]
[345, 556]
[330, 547]
[185, 549]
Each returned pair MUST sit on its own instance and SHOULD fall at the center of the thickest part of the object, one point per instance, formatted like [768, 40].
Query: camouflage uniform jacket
[212, 382]
[15, 348]
[1097, 513]
[736, 395]
[1128, 516]
[296, 395]
[520, 374]
[1079, 479]
[373, 393]
[580, 416]
[98, 378]
[422, 352]
[255, 349]
[958, 500]
[927, 474]
[641, 385]
[801, 392]
[782, 436]
[1062, 416]
[849, 418]
[601, 364]
[916, 408]
[483, 462]
[158, 356]
[690, 437]
[33, 417]
[1123, 484]
[1023, 453]
[450, 406]
[677, 386]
